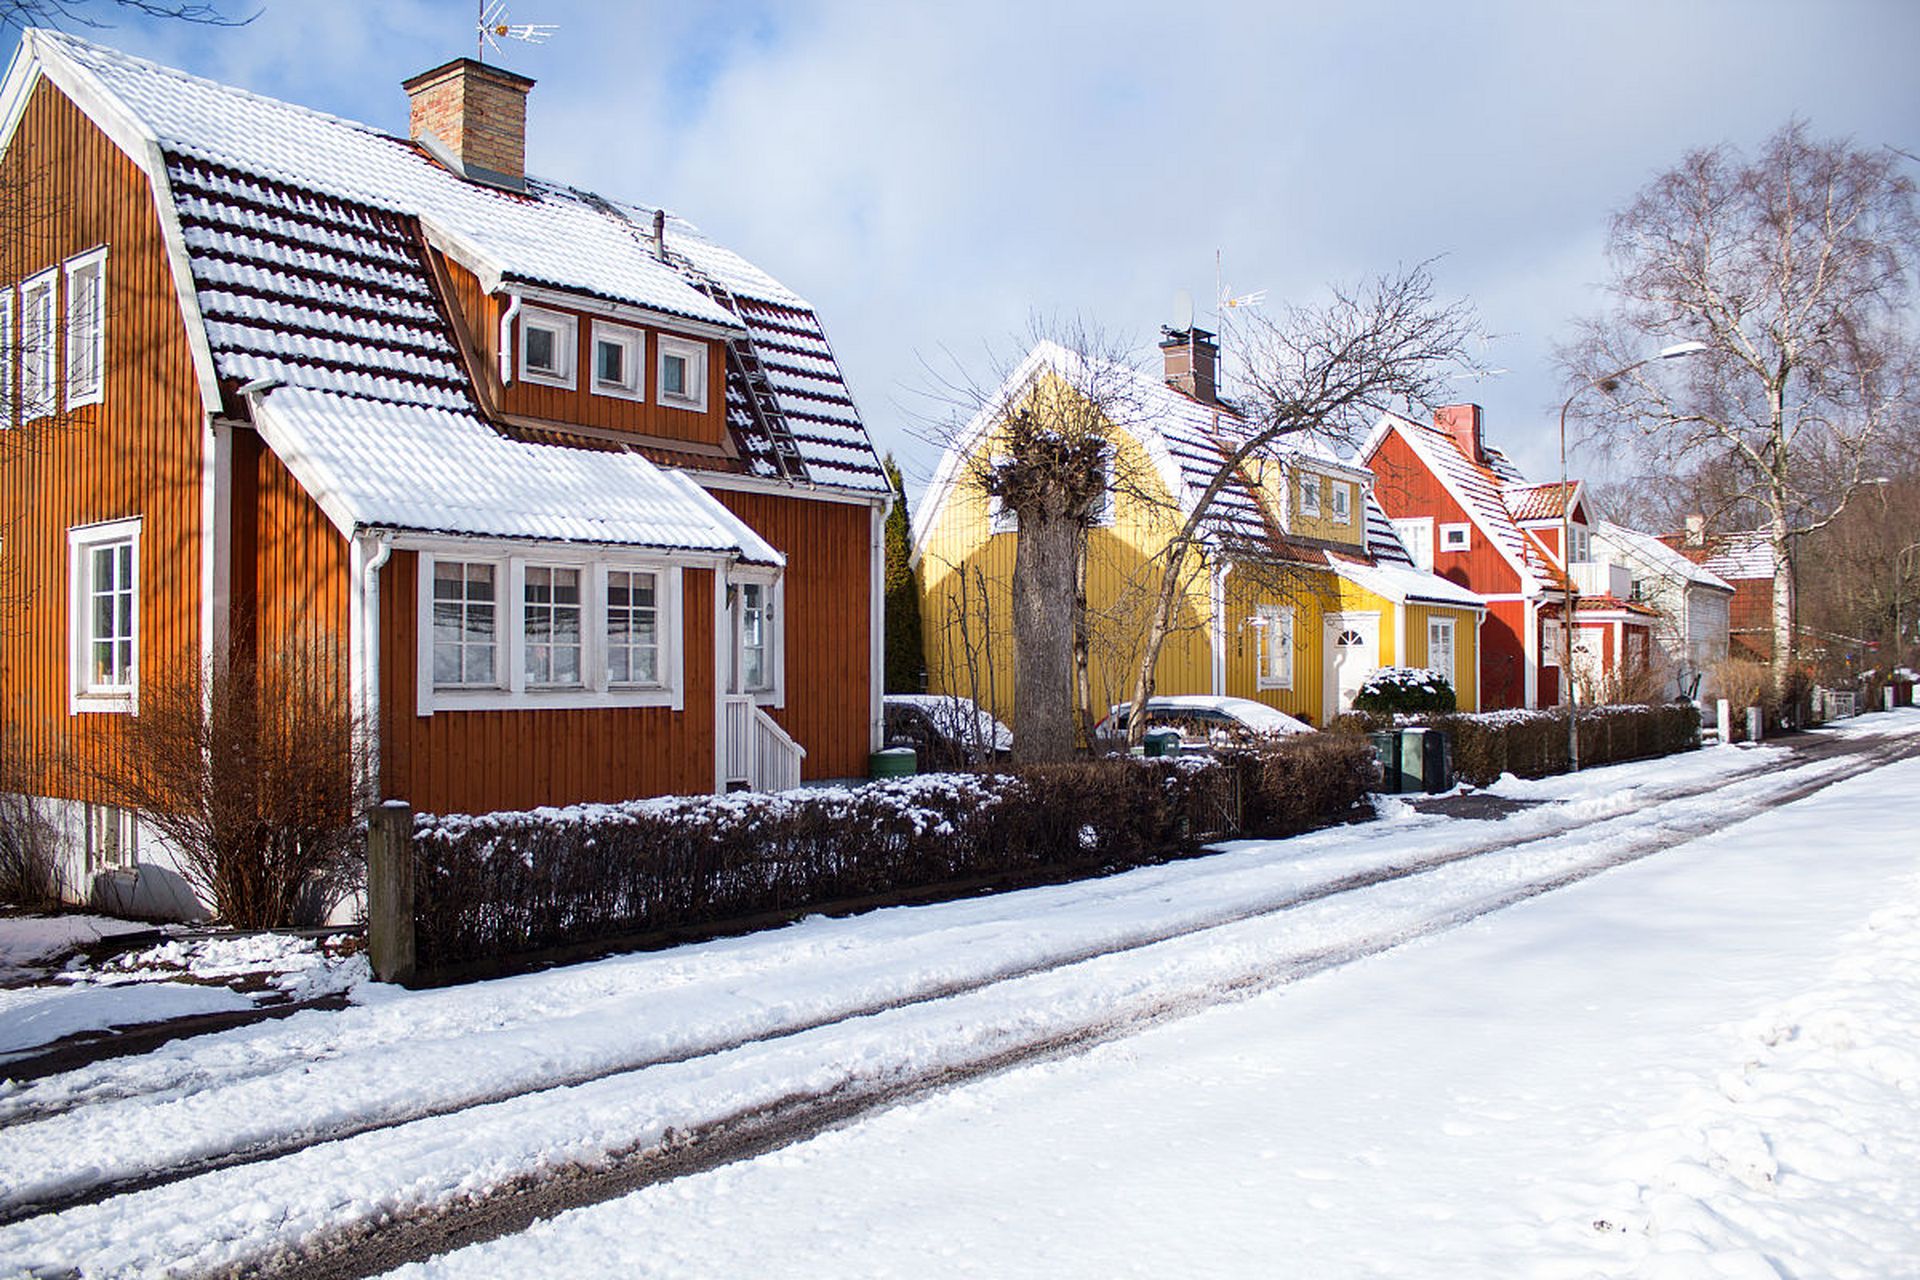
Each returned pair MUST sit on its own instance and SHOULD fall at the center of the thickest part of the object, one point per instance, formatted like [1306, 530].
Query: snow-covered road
[591, 1065]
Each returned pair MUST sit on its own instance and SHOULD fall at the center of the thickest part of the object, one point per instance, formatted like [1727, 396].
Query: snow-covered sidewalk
[703, 1033]
[1701, 1065]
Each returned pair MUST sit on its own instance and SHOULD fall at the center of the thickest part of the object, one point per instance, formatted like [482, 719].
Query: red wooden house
[1744, 560]
[1466, 513]
[579, 496]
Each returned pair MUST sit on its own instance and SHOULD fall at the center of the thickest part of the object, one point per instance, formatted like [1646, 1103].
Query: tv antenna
[493, 27]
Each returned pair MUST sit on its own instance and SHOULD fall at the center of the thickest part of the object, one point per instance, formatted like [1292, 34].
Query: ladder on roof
[743, 359]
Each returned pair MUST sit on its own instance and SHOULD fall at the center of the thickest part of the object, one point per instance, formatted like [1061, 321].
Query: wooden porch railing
[759, 754]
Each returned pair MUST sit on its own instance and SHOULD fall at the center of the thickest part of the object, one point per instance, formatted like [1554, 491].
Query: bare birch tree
[1796, 269]
[1325, 369]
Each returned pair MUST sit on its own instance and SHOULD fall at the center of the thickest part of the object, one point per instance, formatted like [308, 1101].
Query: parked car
[1204, 722]
[946, 731]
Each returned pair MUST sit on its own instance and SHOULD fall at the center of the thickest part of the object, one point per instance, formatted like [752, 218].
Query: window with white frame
[681, 378]
[1342, 503]
[562, 628]
[1552, 640]
[112, 839]
[86, 328]
[37, 354]
[632, 627]
[104, 568]
[7, 402]
[551, 615]
[547, 343]
[757, 653]
[1310, 495]
[466, 624]
[1275, 625]
[1456, 537]
[1417, 535]
[1582, 544]
[1440, 649]
[617, 360]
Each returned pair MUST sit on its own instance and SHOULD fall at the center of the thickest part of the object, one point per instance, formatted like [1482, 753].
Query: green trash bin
[894, 762]
[1162, 741]
[1386, 746]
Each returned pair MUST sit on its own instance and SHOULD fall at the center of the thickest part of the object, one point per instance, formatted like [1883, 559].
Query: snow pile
[31, 944]
[296, 967]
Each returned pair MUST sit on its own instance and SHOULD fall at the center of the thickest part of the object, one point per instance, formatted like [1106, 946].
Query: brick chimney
[1462, 422]
[473, 119]
[1192, 363]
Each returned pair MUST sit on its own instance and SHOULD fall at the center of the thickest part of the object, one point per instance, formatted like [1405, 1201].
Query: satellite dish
[1183, 310]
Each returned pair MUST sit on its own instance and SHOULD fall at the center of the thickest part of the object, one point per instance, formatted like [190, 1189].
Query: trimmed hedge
[1533, 744]
[1405, 689]
[507, 884]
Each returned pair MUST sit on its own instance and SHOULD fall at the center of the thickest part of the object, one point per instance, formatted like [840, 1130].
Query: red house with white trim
[1466, 513]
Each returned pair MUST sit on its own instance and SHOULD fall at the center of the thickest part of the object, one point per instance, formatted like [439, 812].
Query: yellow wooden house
[1299, 590]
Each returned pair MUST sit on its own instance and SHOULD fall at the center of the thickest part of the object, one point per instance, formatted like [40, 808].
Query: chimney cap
[470, 66]
[1181, 337]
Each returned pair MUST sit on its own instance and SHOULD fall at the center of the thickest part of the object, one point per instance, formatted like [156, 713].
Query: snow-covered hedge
[1405, 689]
[499, 885]
[1533, 744]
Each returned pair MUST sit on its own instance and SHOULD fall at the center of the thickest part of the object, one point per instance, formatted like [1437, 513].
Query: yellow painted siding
[1466, 650]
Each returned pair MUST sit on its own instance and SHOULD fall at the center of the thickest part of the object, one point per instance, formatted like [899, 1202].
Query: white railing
[759, 754]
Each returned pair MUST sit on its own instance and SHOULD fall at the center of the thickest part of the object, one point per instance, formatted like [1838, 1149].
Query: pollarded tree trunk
[1045, 581]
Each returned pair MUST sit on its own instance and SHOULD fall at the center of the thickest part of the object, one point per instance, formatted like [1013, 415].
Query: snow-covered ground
[30, 943]
[1454, 1104]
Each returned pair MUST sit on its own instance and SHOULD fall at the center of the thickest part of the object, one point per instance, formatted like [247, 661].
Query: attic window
[682, 376]
[1456, 537]
[1310, 496]
[37, 346]
[616, 360]
[86, 328]
[1342, 504]
[547, 341]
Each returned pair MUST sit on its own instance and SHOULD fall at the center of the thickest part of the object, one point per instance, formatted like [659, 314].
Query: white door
[1352, 646]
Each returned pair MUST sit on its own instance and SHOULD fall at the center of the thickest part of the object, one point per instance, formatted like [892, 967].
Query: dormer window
[547, 341]
[1342, 504]
[682, 375]
[1310, 496]
[616, 360]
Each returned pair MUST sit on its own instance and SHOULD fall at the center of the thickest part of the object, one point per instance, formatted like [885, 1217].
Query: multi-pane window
[633, 628]
[546, 346]
[465, 624]
[1342, 504]
[112, 838]
[104, 608]
[682, 375]
[1440, 648]
[1275, 624]
[37, 354]
[86, 328]
[551, 614]
[1309, 495]
[756, 627]
[1417, 534]
[6, 359]
[1552, 640]
[616, 360]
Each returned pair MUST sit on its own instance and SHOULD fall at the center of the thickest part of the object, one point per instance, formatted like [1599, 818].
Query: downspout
[877, 626]
[1219, 603]
[368, 642]
[507, 318]
[1479, 667]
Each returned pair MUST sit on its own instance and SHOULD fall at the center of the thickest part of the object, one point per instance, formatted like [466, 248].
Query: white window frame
[9, 404]
[1582, 544]
[1456, 537]
[633, 342]
[602, 583]
[774, 694]
[1342, 502]
[695, 354]
[83, 694]
[566, 343]
[1309, 495]
[514, 692]
[81, 310]
[1416, 534]
[502, 587]
[583, 580]
[112, 839]
[1445, 627]
[40, 369]
[1551, 640]
[1273, 620]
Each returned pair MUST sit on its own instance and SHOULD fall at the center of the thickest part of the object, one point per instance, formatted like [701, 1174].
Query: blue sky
[931, 176]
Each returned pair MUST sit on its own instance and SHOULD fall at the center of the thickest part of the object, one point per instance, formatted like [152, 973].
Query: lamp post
[1604, 382]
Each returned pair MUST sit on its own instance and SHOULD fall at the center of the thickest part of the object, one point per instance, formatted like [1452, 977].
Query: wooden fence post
[390, 890]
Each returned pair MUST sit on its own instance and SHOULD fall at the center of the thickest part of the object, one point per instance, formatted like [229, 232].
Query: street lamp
[1604, 382]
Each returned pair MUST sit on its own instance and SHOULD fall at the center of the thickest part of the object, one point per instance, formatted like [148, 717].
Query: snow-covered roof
[303, 233]
[1657, 556]
[378, 465]
[1408, 585]
[1745, 555]
[1185, 440]
[1538, 501]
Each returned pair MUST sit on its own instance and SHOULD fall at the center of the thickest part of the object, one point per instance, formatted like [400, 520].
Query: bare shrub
[252, 774]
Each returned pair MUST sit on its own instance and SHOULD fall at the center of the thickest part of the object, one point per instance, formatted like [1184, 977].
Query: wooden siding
[138, 452]
[478, 761]
[1405, 489]
[296, 578]
[1466, 652]
[829, 662]
[581, 406]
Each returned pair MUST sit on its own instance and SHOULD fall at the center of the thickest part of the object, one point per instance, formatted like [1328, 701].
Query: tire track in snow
[1857, 755]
